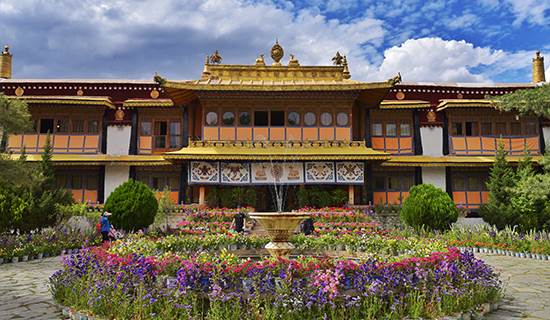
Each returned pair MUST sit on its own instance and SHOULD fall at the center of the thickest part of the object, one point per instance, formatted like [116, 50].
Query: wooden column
[351, 195]
[202, 195]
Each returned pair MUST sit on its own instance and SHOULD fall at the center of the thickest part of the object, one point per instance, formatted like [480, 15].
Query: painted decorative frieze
[235, 173]
[350, 172]
[320, 172]
[204, 172]
[277, 172]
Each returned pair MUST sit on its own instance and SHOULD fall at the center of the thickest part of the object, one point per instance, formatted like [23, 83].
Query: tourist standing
[239, 222]
[105, 226]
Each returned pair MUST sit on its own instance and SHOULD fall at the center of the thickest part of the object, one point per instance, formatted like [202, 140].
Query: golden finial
[6, 50]
[277, 53]
[338, 59]
[345, 73]
[216, 58]
[538, 68]
[293, 61]
[260, 60]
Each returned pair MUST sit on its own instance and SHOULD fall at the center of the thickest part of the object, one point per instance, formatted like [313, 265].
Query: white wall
[118, 140]
[432, 141]
[546, 135]
[435, 176]
[115, 175]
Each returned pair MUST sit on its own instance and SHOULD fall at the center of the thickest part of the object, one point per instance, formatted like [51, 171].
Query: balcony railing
[393, 145]
[487, 145]
[61, 143]
[276, 133]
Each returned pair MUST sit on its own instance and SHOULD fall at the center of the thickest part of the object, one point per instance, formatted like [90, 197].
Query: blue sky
[438, 41]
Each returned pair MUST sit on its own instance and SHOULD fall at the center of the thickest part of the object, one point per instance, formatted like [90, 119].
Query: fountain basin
[279, 226]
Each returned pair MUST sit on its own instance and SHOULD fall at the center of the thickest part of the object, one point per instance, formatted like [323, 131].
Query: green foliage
[165, 208]
[428, 207]
[14, 116]
[133, 206]
[46, 165]
[317, 197]
[529, 101]
[530, 199]
[231, 197]
[77, 209]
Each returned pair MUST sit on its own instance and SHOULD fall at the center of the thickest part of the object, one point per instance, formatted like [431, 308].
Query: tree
[14, 116]
[528, 101]
[46, 165]
[428, 207]
[498, 210]
[133, 205]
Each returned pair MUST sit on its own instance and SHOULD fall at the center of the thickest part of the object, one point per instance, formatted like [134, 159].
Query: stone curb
[524, 255]
[16, 260]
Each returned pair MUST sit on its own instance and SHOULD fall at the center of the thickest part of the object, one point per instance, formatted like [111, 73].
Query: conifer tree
[46, 166]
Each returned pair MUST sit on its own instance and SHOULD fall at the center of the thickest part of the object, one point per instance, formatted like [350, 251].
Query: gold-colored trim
[273, 85]
[465, 103]
[449, 161]
[92, 160]
[404, 104]
[146, 103]
[67, 100]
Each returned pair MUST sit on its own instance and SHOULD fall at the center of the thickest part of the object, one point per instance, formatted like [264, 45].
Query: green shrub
[133, 206]
[428, 207]
[313, 196]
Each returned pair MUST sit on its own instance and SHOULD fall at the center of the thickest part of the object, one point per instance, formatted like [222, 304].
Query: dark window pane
[530, 128]
[46, 125]
[500, 128]
[91, 183]
[244, 118]
[76, 182]
[342, 119]
[78, 126]
[93, 126]
[471, 129]
[326, 119]
[277, 118]
[473, 183]
[62, 126]
[377, 129]
[160, 142]
[145, 128]
[486, 128]
[391, 130]
[157, 183]
[406, 183]
[393, 183]
[310, 119]
[456, 129]
[458, 183]
[260, 118]
[211, 118]
[174, 183]
[379, 183]
[405, 130]
[60, 181]
[515, 128]
[228, 118]
[161, 128]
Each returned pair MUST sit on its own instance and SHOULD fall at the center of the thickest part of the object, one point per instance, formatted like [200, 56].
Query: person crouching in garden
[238, 222]
[105, 226]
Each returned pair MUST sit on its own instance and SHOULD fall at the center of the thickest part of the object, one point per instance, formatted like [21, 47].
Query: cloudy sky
[438, 40]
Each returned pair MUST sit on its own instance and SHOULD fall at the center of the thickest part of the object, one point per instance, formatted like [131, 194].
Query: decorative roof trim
[465, 103]
[269, 85]
[146, 103]
[404, 104]
[67, 100]
[101, 159]
[449, 161]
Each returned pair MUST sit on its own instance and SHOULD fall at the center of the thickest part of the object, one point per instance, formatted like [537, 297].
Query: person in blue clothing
[105, 226]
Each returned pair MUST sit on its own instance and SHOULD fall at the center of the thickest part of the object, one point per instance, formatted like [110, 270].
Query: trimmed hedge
[429, 207]
[133, 206]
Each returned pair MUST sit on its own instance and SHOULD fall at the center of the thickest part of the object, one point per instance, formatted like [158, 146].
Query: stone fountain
[279, 226]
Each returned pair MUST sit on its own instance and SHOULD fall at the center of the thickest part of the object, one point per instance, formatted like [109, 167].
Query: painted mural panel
[320, 172]
[204, 172]
[350, 172]
[268, 173]
[235, 173]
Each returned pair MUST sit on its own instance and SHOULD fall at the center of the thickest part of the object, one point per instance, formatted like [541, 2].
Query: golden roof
[404, 104]
[449, 161]
[276, 150]
[100, 159]
[147, 103]
[465, 103]
[67, 100]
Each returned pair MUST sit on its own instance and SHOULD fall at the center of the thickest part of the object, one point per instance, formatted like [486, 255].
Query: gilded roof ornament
[158, 79]
[260, 60]
[345, 72]
[395, 80]
[293, 61]
[216, 58]
[338, 59]
[6, 50]
[277, 53]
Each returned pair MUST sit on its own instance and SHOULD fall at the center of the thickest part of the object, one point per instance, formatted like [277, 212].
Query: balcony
[61, 143]
[488, 145]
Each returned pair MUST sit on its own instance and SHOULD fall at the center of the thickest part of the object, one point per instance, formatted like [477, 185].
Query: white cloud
[435, 59]
[530, 11]
[464, 21]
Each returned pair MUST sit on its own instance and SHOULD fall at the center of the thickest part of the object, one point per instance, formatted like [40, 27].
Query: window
[277, 118]
[46, 125]
[326, 119]
[62, 126]
[158, 183]
[500, 128]
[405, 129]
[391, 129]
[175, 134]
[78, 126]
[471, 128]
[342, 119]
[293, 119]
[91, 182]
[310, 119]
[377, 129]
[244, 118]
[474, 183]
[260, 118]
[93, 126]
[228, 118]
[212, 119]
[394, 183]
[456, 129]
[515, 128]
[161, 130]
[76, 182]
[530, 128]
[379, 183]
[458, 183]
[486, 128]
[145, 128]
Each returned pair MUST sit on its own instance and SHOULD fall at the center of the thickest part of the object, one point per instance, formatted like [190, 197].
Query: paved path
[527, 285]
[24, 293]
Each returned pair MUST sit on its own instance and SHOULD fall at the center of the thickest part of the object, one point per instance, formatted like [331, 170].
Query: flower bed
[338, 214]
[48, 242]
[348, 228]
[214, 214]
[226, 287]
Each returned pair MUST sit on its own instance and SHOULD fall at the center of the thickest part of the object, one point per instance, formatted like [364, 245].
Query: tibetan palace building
[265, 123]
